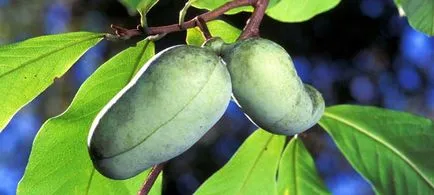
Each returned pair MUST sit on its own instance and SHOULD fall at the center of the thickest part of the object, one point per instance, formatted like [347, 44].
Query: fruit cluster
[183, 91]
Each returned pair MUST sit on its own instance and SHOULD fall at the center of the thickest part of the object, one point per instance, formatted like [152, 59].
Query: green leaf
[218, 28]
[299, 10]
[297, 172]
[213, 4]
[27, 68]
[141, 6]
[252, 169]
[391, 149]
[59, 162]
[420, 14]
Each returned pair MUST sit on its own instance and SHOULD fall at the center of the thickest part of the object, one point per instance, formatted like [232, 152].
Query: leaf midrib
[295, 166]
[90, 181]
[383, 142]
[254, 164]
[30, 61]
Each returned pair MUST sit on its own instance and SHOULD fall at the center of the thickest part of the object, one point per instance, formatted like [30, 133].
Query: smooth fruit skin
[169, 105]
[266, 86]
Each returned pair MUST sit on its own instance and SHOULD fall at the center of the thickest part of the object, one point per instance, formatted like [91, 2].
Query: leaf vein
[380, 141]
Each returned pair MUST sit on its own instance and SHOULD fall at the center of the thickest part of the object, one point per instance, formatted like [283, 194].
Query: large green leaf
[297, 172]
[27, 68]
[218, 28]
[252, 169]
[213, 4]
[59, 162]
[393, 150]
[299, 10]
[420, 14]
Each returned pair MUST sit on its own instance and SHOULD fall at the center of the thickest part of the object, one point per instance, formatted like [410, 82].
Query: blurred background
[361, 52]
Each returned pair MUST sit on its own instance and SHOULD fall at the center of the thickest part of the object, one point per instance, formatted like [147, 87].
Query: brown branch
[252, 27]
[208, 16]
[250, 30]
[123, 33]
[150, 180]
[203, 27]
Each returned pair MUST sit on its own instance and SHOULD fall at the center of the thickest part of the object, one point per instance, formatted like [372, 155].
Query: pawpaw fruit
[267, 88]
[170, 104]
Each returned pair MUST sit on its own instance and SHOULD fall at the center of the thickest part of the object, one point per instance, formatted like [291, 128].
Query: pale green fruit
[171, 103]
[266, 86]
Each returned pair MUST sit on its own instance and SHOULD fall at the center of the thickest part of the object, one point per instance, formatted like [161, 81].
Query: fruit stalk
[204, 28]
[150, 180]
[252, 27]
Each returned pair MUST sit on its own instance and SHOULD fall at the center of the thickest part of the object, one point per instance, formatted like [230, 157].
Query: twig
[123, 33]
[252, 27]
[150, 180]
[203, 27]
[208, 16]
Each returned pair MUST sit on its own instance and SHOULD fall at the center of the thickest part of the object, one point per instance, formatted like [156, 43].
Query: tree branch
[208, 16]
[252, 27]
[203, 27]
[150, 180]
[123, 33]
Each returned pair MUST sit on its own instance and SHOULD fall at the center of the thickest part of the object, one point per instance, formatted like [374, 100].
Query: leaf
[101, 185]
[391, 149]
[27, 68]
[252, 169]
[297, 171]
[420, 14]
[299, 10]
[143, 6]
[213, 4]
[218, 28]
[59, 162]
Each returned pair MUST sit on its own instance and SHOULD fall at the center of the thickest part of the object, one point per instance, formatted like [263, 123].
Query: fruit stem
[150, 180]
[252, 27]
[259, 5]
[203, 27]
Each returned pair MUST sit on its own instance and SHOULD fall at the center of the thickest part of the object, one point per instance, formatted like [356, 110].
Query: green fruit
[171, 103]
[266, 86]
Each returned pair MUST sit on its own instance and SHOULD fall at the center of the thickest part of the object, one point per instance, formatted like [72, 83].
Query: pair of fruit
[184, 90]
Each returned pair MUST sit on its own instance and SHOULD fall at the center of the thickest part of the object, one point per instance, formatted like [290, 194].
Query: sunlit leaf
[299, 10]
[420, 14]
[392, 150]
[59, 162]
[27, 68]
[297, 172]
[252, 169]
[217, 28]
